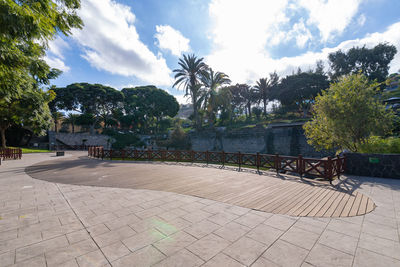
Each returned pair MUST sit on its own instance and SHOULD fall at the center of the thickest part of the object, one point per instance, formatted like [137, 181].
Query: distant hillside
[185, 111]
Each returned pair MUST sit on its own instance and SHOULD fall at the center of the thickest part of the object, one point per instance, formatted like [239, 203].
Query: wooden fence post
[111, 154]
[207, 157]
[192, 156]
[328, 170]
[123, 154]
[277, 163]
[300, 167]
[223, 158]
[240, 161]
[258, 161]
[102, 153]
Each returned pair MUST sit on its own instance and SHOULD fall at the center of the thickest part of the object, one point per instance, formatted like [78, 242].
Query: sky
[127, 43]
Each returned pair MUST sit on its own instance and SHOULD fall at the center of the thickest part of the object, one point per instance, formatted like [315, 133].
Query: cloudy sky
[138, 42]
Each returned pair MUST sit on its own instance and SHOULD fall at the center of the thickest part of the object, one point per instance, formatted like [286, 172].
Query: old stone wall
[284, 139]
[78, 138]
[375, 165]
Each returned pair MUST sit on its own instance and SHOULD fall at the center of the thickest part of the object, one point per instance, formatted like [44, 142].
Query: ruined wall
[284, 139]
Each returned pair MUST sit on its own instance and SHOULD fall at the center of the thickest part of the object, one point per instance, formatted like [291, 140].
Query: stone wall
[77, 139]
[284, 139]
[375, 165]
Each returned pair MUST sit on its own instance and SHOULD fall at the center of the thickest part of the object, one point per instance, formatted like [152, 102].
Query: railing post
[277, 163]
[240, 161]
[258, 161]
[223, 158]
[207, 157]
[178, 156]
[123, 154]
[111, 154]
[192, 156]
[102, 153]
[300, 167]
[329, 169]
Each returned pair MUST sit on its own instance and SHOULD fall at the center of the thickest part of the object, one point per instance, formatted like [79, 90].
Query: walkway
[48, 224]
[281, 195]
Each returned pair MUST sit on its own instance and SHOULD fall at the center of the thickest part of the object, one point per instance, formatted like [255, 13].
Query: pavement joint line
[69, 204]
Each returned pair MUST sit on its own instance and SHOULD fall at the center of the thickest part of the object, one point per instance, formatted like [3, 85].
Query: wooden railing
[11, 153]
[327, 168]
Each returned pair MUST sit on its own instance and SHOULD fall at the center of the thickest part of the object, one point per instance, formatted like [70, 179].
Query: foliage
[123, 139]
[26, 27]
[71, 119]
[178, 139]
[373, 62]
[376, 144]
[299, 90]
[264, 88]
[189, 76]
[347, 114]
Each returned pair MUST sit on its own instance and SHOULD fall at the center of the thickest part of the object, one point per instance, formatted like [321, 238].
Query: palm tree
[264, 88]
[57, 117]
[189, 76]
[212, 82]
[71, 119]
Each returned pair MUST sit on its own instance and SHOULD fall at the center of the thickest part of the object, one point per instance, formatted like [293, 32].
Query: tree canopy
[372, 62]
[347, 114]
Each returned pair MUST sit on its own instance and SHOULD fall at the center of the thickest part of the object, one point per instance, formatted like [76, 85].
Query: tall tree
[347, 114]
[299, 90]
[98, 100]
[26, 27]
[372, 62]
[212, 81]
[189, 76]
[71, 119]
[264, 88]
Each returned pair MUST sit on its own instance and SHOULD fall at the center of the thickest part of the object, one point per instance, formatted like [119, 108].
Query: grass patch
[33, 150]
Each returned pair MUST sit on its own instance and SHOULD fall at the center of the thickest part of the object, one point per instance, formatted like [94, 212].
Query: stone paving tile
[379, 230]
[115, 251]
[7, 258]
[60, 255]
[245, 250]
[196, 216]
[300, 237]
[280, 222]
[94, 258]
[208, 246]
[38, 261]
[263, 262]
[113, 236]
[40, 248]
[222, 218]
[265, 234]
[143, 239]
[201, 229]
[232, 231]
[322, 255]
[339, 241]
[344, 227]
[250, 220]
[379, 245]
[223, 260]
[285, 254]
[174, 243]
[78, 236]
[181, 258]
[366, 258]
[311, 225]
[143, 257]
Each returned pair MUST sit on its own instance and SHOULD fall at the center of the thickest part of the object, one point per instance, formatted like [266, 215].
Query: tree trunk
[195, 112]
[265, 107]
[3, 137]
[249, 108]
[55, 126]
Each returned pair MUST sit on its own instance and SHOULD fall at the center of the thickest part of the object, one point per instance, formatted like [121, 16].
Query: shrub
[376, 144]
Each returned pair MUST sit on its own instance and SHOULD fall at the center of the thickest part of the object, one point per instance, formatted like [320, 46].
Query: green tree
[57, 117]
[72, 119]
[26, 27]
[264, 88]
[189, 76]
[372, 62]
[347, 114]
[149, 103]
[212, 82]
[299, 90]
[96, 99]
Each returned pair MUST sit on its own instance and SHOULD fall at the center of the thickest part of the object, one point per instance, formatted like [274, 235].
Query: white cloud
[361, 20]
[170, 39]
[111, 43]
[54, 56]
[330, 16]
[241, 35]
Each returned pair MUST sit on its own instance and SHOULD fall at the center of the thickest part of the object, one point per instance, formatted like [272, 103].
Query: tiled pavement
[48, 224]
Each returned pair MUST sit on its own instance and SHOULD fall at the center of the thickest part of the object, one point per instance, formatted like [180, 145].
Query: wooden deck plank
[284, 194]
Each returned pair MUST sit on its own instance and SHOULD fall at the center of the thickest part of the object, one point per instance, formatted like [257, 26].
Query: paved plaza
[44, 223]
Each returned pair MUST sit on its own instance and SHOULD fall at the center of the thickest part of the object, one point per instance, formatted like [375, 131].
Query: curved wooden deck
[269, 193]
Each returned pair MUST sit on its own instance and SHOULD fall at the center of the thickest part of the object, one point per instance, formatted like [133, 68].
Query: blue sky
[128, 43]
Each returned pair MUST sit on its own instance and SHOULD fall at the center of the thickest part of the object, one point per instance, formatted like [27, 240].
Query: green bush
[376, 144]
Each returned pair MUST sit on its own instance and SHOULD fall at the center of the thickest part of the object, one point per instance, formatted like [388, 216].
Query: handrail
[11, 153]
[328, 168]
